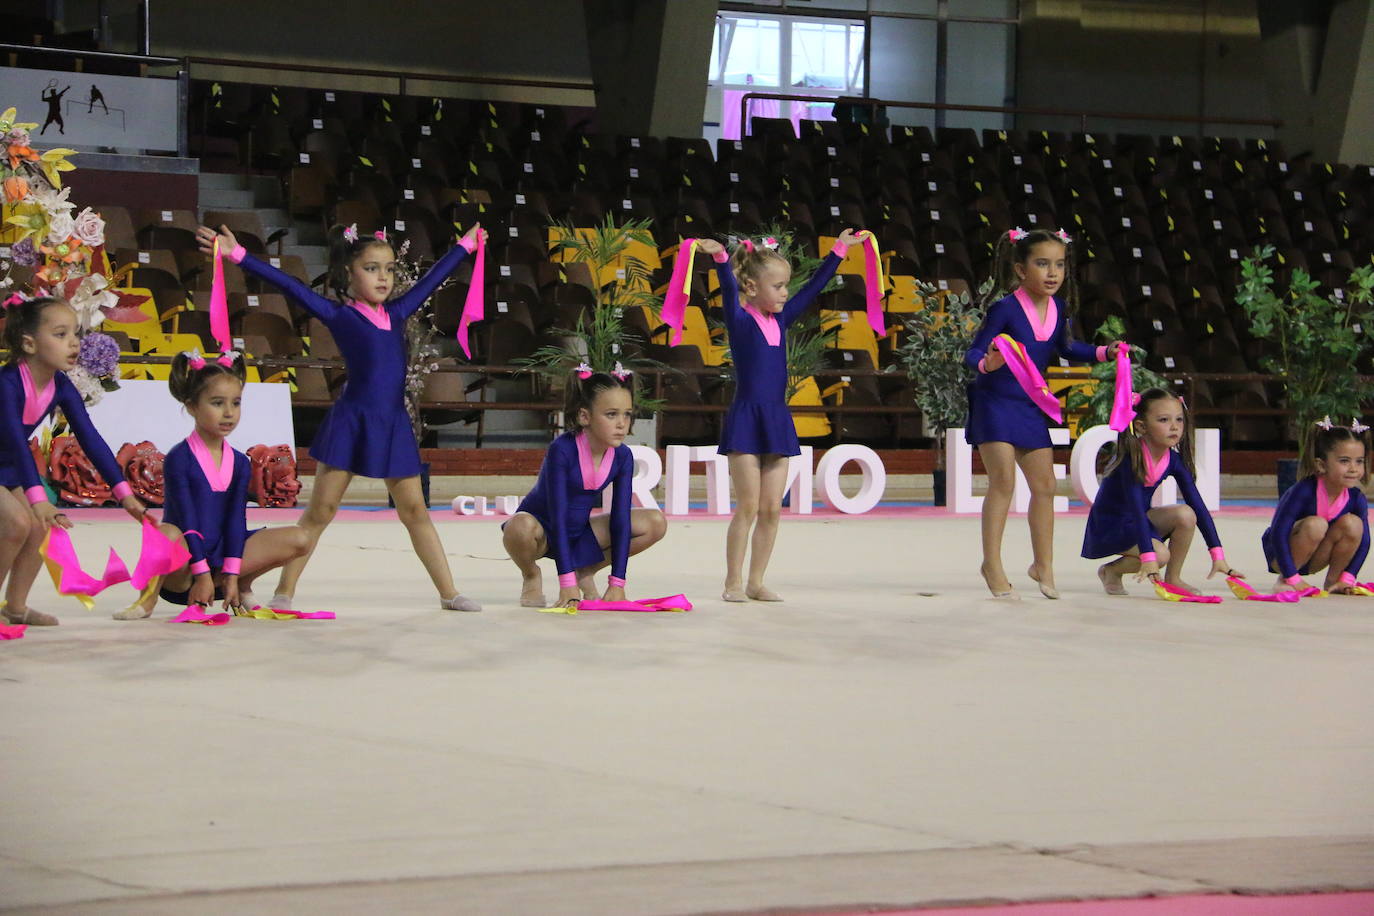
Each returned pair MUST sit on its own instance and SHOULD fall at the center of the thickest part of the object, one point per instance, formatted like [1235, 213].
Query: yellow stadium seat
[854, 332]
[809, 425]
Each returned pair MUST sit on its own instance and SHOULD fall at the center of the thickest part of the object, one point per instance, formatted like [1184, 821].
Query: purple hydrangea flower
[23, 253]
[99, 354]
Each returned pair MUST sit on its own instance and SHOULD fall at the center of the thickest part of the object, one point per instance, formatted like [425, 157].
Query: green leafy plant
[600, 339]
[1316, 340]
[1098, 402]
[933, 356]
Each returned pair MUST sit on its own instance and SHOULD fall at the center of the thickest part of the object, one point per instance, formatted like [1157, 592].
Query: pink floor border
[1336, 904]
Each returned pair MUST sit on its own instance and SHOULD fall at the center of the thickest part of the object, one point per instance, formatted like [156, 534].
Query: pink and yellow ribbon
[157, 557]
[1024, 370]
[473, 305]
[219, 301]
[1123, 410]
[271, 613]
[59, 556]
[874, 282]
[674, 313]
[12, 630]
[196, 614]
[1176, 593]
[1245, 592]
[678, 603]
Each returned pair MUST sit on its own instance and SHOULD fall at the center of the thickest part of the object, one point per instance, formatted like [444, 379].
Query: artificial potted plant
[1315, 342]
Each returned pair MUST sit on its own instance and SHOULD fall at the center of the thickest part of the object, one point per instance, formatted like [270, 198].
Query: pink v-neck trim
[593, 477]
[377, 315]
[218, 476]
[1041, 329]
[1154, 470]
[35, 402]
[1329, 508]
[768, 324]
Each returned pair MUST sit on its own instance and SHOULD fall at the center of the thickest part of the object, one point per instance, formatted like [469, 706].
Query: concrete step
[223, 181]
[226, 199]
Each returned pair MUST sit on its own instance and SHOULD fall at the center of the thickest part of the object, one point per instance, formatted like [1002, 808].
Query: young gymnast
[758, 435]
[1322, 522]
[1005, 422]
[1158, 444]
[367, 432]
[555, 519]
[207, 494]
[41, 335]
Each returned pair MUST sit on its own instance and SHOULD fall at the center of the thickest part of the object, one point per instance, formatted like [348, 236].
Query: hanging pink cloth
[874, 284]
[674, 313]
[472, 307]
[219, 301]
[1123, 410]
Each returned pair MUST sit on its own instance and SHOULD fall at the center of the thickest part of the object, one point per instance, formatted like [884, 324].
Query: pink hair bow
[380, 235]
[1357, 427]
[620, 372]
[1017, 234]
[748, 245]
[1063, 236]
[13, 300]
[584, 371]
[770, 243]
[1324, 423]
[194, 359]
[350, 232]
[228, 358]
[1135, 398]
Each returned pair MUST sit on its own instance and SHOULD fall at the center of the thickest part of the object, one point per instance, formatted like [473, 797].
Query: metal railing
[1083, 115]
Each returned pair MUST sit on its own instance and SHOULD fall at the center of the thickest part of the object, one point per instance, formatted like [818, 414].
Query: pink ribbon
[158, 556]
[12, 630]
[1023, 369]
[645, 605]
[873, 282]
[473, 306]
[196, 614]
[674, 313]
[219, 301]
[1123, 403]
[68, 576]
[302, 615]
[1245, 592]
[1171, 592]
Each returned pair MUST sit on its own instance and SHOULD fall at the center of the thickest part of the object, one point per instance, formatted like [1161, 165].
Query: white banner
[93, 110]
[142, 410]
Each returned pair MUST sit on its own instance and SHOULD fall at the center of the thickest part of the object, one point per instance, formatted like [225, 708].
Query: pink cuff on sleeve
[567, 580]
[841, 250]
[122, 490]
[720, 257]
[1101, 354]
[469, 244]
[237, 254]
[1347, 578]
[36, 495]
[200, 568]
[983, 366]
[618, 582]
[1217, 554]
[232, 565]
[1149, 557]
[1294, 580]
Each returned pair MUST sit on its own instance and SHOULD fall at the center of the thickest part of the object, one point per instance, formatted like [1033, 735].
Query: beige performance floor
[889, 736]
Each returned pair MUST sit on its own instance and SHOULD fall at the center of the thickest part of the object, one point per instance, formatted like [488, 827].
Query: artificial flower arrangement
[62, 253]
